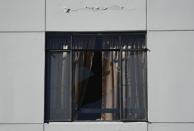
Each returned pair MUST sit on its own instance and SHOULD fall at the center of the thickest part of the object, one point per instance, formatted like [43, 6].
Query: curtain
[82, 62]
[58, 82]
[134, 81]
[110, 83]
[58, 91]
[107, 67]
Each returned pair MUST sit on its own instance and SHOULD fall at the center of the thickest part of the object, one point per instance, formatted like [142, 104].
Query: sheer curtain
[58, 93]
[111, 77]
[110, 84]
[134, 80]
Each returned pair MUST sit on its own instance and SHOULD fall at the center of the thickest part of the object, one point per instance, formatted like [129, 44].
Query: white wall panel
[22, 15]
[170, 14]
[21, 77]
[21, 127]
[171, 127]
[80, 18]
[170, 76]
[96, 126]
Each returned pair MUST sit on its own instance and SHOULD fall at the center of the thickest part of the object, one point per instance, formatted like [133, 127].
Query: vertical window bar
[120, 77]
[71, 90]
[72, 84]
[146, 91]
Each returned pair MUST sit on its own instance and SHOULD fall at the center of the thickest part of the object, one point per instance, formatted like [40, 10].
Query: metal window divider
[71, 81]
[120, 76]
[70, 50]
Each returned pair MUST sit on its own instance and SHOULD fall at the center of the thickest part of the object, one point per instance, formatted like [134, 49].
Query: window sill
[96, 126]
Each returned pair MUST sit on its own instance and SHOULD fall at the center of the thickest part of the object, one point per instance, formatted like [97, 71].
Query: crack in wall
[114, 7]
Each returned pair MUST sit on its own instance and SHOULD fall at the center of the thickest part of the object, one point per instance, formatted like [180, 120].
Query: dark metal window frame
[120, 64]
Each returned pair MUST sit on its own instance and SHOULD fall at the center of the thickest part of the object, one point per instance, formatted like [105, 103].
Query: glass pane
[96, 85]
[58, 93]
[58, 41]
[134, 85]
[96, 42]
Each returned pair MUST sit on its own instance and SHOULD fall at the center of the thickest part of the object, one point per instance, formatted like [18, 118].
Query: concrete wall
[170, 37]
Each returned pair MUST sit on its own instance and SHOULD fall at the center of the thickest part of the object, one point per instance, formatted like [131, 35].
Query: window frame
[71, 70]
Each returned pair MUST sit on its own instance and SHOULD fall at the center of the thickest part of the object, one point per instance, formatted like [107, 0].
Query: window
[96, 77]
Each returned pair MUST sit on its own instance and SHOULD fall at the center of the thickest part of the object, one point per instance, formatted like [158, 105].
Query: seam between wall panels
[146, 40]
[169, 30]
[147, 60]
[147, 126]
[146, 15]
[171, 122]
[45, 16]
[22, 31]
[44, 77]
[21, 123]
[44, 65]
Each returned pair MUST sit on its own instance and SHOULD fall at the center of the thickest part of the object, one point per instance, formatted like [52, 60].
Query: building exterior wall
[170, 35]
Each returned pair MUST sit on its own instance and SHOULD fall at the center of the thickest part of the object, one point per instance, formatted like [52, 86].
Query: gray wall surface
[170, 37]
